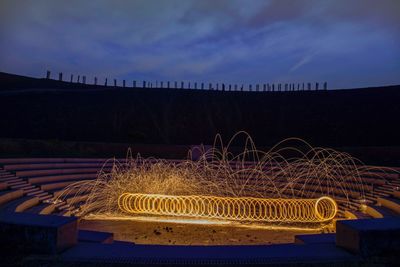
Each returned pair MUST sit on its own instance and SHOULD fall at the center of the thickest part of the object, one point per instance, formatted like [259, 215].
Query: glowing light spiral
[323, 209]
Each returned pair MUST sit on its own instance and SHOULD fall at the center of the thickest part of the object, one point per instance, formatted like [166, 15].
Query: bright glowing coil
[231, 208]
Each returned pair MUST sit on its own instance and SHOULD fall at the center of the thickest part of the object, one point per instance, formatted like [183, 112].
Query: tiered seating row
[27, 184]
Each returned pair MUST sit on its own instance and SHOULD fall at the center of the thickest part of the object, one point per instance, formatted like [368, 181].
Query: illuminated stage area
[244, 209]
[293, 185]
[163, 230]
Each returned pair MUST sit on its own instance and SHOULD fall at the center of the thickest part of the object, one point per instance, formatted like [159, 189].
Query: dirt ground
[179, 233]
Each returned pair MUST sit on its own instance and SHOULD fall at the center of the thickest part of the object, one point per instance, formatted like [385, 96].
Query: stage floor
[166, 232]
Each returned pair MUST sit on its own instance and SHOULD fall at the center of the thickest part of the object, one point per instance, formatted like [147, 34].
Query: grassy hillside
[45, 109]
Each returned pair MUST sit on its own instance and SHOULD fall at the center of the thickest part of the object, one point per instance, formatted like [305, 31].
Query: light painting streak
[247, 209]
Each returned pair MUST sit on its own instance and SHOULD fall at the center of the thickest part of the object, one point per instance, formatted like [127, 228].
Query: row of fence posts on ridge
[218, 86]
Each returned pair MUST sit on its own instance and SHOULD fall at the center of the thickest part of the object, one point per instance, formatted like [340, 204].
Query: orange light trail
[246, 209]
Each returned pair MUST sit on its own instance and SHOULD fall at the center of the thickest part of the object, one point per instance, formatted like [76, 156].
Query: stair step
[35, 193]
[12, 178]
[379, 212]
[63, 207]
[43, 198]
[41, 209]
[3, 176]
[22, 186]
[16, 183]
[31, 190]
[391, 203]
[42, 194]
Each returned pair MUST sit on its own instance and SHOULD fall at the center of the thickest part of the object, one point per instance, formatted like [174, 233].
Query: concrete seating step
[383, 190]
[64, 206]
[379, 212]
[22, 186]
[42, 194]
[10, 179]
[8, 195]
[31, 190]
[20, 182]
[3, 186]
[46, 172]
[49, 179]
[58, 192]
[42, 166]
[20, 204]
[356, 215]
[35, 193]
[77, 199]
[43, 208]
[60, 184]
[6, 175]
[395, 183]
[43, 198]
[64, 212]
[390, 203]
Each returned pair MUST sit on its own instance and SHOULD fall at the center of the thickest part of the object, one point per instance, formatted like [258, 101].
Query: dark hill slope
[47, 109]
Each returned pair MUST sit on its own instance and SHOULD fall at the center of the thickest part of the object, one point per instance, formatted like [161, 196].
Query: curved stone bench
[48, 172]
[63, 177]
[60, 185]
[44, 209]
[390, 203]
[20, 204]
[8, 195]
[379, 212]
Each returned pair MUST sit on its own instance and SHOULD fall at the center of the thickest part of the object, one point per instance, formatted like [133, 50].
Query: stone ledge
[369, 237]
[33, 233]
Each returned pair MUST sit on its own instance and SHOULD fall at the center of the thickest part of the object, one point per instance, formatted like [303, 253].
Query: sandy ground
[179, 233]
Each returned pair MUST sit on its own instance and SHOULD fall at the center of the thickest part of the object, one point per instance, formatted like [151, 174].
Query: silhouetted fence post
[182, 85]
[144, 84]
[115, 82]
[84, 79]
[250, 88]
[202, 86]
[48, 75]
[308, 86]
[209, 86]
[95, 80]
[60, 76]
[168, 84]
[161, 84]
[123, 83]
[134, 84]
[316, 86]
[105, 82]
[303, 87]
[236, 87]
[325, 86]
[188, 85]
[72, 78]
[79, 79]
[176, 85]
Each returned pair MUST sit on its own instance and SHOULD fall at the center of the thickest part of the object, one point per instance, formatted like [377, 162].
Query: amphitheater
[29, 186]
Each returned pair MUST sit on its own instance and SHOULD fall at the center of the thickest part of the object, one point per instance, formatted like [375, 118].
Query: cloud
[231, 40]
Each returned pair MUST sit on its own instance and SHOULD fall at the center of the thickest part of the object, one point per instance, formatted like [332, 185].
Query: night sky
[349, 44]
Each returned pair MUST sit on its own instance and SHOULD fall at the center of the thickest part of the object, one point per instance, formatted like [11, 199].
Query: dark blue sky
[347, 43]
